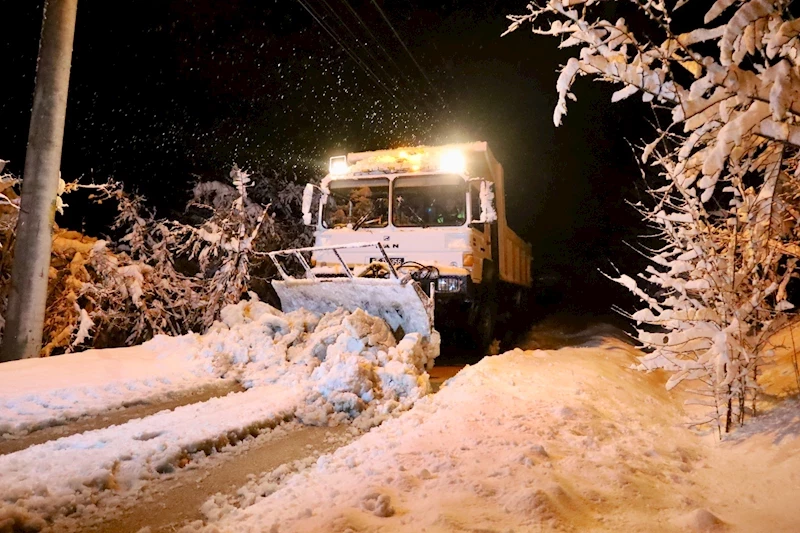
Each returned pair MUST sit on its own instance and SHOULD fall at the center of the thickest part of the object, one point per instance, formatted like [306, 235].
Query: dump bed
[515, 258]
[514, 253]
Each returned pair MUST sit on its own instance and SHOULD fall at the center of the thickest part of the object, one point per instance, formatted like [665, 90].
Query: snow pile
[400, 304]
[319, 370]
[533, 441]
[37, 393]
[344, 361]
[76, 473]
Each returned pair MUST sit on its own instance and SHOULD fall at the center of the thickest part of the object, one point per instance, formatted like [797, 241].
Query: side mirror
[488, 213]
[308, 198]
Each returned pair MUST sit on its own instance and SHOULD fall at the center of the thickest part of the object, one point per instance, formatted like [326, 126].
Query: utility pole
[28, 297]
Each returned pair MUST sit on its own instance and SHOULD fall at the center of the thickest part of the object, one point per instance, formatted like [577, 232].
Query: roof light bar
[338, 165]
[453, 161]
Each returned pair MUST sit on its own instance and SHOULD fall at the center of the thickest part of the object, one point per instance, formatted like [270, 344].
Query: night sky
[162, 91]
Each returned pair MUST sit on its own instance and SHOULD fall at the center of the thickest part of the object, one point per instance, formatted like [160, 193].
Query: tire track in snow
[175, 500]
[119, 416]
[74, 473]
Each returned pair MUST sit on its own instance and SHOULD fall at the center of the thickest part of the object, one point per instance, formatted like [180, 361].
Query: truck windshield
[436, 200]
[363, 203]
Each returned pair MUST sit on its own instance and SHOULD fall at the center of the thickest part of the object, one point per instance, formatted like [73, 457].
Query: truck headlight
[338, 165]
[448, 284]
[452, 161]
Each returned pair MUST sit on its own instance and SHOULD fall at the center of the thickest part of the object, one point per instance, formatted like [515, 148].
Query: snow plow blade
[400, 302]
[402, 305]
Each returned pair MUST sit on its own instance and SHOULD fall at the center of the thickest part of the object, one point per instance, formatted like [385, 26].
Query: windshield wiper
[365, 218]
[413, 212]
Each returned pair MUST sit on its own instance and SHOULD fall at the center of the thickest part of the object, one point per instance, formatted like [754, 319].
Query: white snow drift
[567, 440]
[318, 369]
[43, 392]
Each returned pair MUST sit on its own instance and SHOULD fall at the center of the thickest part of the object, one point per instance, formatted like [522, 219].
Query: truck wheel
[483, 329]
[485, 310]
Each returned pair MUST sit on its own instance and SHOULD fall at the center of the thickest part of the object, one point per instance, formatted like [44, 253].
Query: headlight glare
[448, 284]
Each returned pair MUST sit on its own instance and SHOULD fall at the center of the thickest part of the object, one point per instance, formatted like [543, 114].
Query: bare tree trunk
[728, 413]
[794, 359]
[27, 300]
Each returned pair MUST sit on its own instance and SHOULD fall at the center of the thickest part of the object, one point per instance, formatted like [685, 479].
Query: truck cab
[439, 213]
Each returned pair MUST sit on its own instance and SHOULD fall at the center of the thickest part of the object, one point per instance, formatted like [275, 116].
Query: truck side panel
[515, 258]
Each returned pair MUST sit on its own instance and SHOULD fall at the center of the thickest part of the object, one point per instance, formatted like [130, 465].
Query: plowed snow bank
[320, 370]
[254, 343]
[37, 393]
[566, 440]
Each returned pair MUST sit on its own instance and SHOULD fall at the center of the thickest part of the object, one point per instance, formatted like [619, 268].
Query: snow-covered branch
[726, 206]
[162, 276]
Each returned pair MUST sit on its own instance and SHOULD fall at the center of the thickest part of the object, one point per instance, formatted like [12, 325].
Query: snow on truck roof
[475, 158]
[477, 146]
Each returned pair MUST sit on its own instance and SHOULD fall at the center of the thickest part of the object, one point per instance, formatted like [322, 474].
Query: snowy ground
[563, 440]
[567, 439]
[317, 370]
[38, 393]
[349, 358]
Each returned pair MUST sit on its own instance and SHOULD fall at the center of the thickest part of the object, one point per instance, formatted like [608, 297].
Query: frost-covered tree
[224, 247]
[163, 276]
[726, 202]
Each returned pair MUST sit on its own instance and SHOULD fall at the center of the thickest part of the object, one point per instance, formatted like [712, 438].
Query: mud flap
[402, 304]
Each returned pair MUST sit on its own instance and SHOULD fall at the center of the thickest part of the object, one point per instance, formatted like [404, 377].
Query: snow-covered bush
[9, 205]
[163, 276]
[726, 206]
[223, 248]
[236, 229]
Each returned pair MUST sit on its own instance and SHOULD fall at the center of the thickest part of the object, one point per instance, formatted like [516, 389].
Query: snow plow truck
[415, 235]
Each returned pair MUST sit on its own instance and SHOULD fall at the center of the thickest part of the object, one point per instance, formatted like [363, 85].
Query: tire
[483, 316]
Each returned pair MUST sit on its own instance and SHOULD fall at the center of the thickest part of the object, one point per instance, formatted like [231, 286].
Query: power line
[347, 50]
[374, 60]
[397, 35]
[416, 95]
[380, 46]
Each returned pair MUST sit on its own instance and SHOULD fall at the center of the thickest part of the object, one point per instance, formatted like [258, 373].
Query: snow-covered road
[339, 368]
[172, 500]
[531, 440]
[561, 440]
[253, 441]
[39, 393]
[76, 471]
